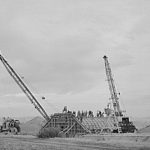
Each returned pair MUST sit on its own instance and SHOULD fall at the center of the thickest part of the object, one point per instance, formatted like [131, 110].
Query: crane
[24, 88]
[112, 89]
[124, 125]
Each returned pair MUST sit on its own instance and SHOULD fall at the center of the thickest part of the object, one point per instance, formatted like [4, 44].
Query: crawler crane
[124, 125]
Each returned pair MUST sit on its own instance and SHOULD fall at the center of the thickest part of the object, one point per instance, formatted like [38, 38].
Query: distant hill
[24, 119]
[145, 130]
[32, 126]
[141, 122]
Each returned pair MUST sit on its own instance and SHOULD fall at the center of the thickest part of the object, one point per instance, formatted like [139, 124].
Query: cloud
[66, 52]
[57, 46]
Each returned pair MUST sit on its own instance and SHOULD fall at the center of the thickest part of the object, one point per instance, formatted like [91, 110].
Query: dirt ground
[25, 142]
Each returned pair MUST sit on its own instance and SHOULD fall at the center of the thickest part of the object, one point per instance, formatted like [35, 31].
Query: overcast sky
[58, 47]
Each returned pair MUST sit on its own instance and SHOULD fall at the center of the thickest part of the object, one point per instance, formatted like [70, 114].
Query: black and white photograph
[74, 74]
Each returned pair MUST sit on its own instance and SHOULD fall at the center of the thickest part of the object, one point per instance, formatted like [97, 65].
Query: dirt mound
[145, 130]
[32, 126]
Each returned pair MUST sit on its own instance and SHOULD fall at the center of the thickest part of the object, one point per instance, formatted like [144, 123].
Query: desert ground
[27, 140]
[91, 142]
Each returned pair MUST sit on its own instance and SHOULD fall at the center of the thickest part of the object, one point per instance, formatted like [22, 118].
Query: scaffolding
[68, 124]
[100, 124]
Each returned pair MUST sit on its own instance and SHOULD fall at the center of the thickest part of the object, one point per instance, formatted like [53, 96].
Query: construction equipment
[10, 125]
[24, 88]
[124, 125]
[71, 127]
[69, 124]
[112, 89]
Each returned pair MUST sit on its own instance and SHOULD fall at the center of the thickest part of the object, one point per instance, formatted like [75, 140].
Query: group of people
[81, 114]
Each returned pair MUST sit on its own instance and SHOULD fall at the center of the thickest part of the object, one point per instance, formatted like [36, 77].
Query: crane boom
[112, 89]
[24, 88]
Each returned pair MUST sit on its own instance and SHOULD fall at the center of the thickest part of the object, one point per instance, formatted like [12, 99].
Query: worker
[74, 113]
[4, 122]
[65, 109]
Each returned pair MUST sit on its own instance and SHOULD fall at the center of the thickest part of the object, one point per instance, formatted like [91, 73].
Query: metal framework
[24, 88]
[112, 89]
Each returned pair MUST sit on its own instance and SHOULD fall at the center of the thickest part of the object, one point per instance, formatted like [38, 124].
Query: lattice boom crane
[112, 89]
[24, 88]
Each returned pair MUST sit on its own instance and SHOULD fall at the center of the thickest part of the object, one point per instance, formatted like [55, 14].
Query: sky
[57, 46]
